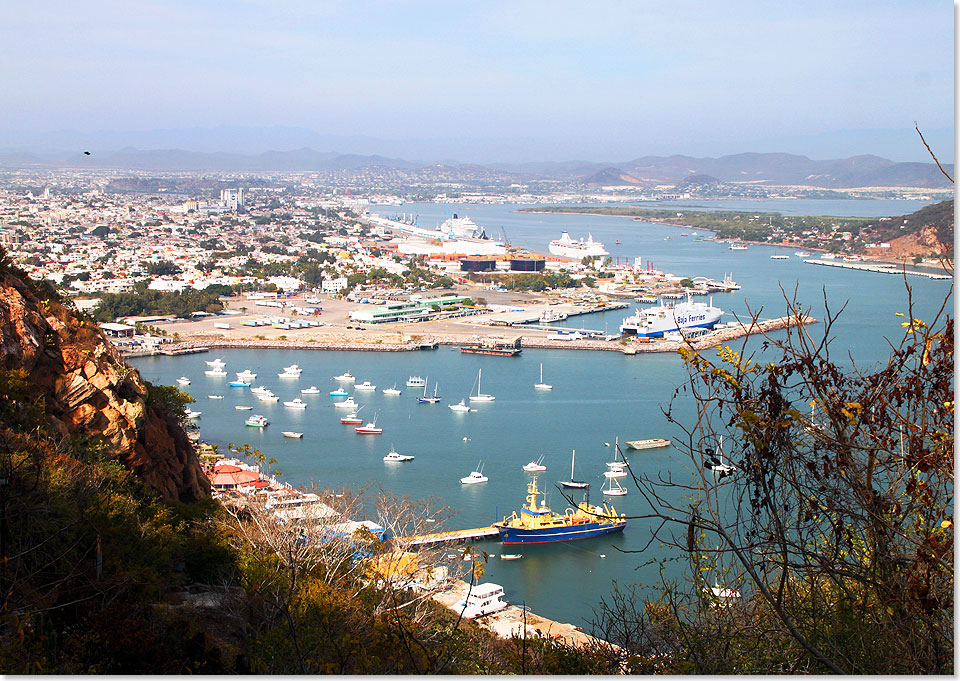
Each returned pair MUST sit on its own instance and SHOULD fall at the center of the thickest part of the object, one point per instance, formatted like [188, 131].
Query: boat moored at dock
[654, 322]
[570, 248]
[537, 524]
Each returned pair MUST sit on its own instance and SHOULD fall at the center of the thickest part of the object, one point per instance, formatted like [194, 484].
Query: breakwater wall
[712, 339]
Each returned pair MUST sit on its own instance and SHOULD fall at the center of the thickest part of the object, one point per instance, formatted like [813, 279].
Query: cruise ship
[654, 322]
[462, 228]
[568, 248]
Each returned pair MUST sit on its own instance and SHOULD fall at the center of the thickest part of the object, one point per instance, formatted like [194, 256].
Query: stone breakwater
[712, 339]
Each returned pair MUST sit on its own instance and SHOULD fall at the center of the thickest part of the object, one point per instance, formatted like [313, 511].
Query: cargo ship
[490, 347]
[537, 524]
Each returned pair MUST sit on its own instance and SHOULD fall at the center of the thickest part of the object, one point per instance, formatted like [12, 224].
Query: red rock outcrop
[85, 387]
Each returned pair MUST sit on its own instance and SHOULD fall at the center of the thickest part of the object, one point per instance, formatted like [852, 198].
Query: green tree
[834, 527]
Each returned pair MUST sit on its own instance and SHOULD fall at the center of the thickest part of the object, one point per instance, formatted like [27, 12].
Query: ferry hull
[514, 535]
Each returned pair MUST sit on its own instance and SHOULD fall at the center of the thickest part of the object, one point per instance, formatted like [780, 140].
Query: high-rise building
[232, 199]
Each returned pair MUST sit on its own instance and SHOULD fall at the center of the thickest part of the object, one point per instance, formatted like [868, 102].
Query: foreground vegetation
[834, 530]
[98, 576]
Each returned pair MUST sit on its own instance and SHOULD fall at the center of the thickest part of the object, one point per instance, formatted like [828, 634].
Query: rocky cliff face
[86, 388]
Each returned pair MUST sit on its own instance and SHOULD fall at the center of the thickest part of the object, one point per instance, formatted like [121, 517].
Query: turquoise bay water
[597, 396]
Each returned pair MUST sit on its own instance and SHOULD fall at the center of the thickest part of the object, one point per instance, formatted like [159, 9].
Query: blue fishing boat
[338, 393]
[238, 384]
[537, 524]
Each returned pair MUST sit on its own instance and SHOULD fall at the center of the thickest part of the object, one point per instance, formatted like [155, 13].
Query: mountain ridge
[771, 168]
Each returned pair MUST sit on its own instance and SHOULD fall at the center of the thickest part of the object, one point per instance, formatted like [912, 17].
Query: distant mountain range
[756, 168]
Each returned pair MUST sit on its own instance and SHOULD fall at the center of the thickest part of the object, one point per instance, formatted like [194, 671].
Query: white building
[334, 285]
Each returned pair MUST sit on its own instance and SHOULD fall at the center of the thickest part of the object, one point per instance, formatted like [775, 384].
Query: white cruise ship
[568, 248]
[654, 322]
[462, 228]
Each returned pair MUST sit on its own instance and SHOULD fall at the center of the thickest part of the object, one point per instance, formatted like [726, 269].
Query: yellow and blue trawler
[537, 524]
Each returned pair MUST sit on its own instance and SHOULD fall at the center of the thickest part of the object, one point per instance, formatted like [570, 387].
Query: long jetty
[880, 269]
[451, 536]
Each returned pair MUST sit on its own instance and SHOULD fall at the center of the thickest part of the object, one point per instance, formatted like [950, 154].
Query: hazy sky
[602, 78]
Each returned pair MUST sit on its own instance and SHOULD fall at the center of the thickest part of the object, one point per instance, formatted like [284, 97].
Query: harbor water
[597, 397]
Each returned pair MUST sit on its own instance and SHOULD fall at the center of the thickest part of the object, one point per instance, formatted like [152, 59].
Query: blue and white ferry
[654, 322]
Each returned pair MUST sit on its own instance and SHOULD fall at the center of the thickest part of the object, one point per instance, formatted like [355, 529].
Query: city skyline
[488, 82]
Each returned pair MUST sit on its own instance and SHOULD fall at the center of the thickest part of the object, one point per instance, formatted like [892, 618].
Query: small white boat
[573, 482]
[717, 464]
[475, 477]
[292, 369]
[183, 380]
[287, 374]
[312, 390]
[615, 472]
[215, 397]
[416, 382]
[369, 428]
[214, 372]
[511, 556]
[535, 466]
[460, 406]
[345, 377]
[216, 363]
[242, 407]
[366, 386]
[268, 397]
[291, 434]
[348, 403]
[803, 254]
[238, 384]
[613, 488]
[779, 257]
[429, 400]
[481, 397]
[257, 421]
[394, 456]
[392, 392]
[260, 390]
[192, 414]
[246, 375]
[541, 385]
[352, 418]
[295, 403]
[618, 467]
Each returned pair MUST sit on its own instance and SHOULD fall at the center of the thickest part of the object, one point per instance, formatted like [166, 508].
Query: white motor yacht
[475, 477]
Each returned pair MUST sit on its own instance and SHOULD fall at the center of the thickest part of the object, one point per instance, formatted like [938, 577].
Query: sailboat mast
[572, 460]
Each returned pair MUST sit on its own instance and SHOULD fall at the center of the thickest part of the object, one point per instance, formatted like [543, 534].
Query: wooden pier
[452, 536]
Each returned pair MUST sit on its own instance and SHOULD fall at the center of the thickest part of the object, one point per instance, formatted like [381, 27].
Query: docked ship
[491, 347]
[654, 322]
[537, 524]
[569, 248]
[462, 228]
